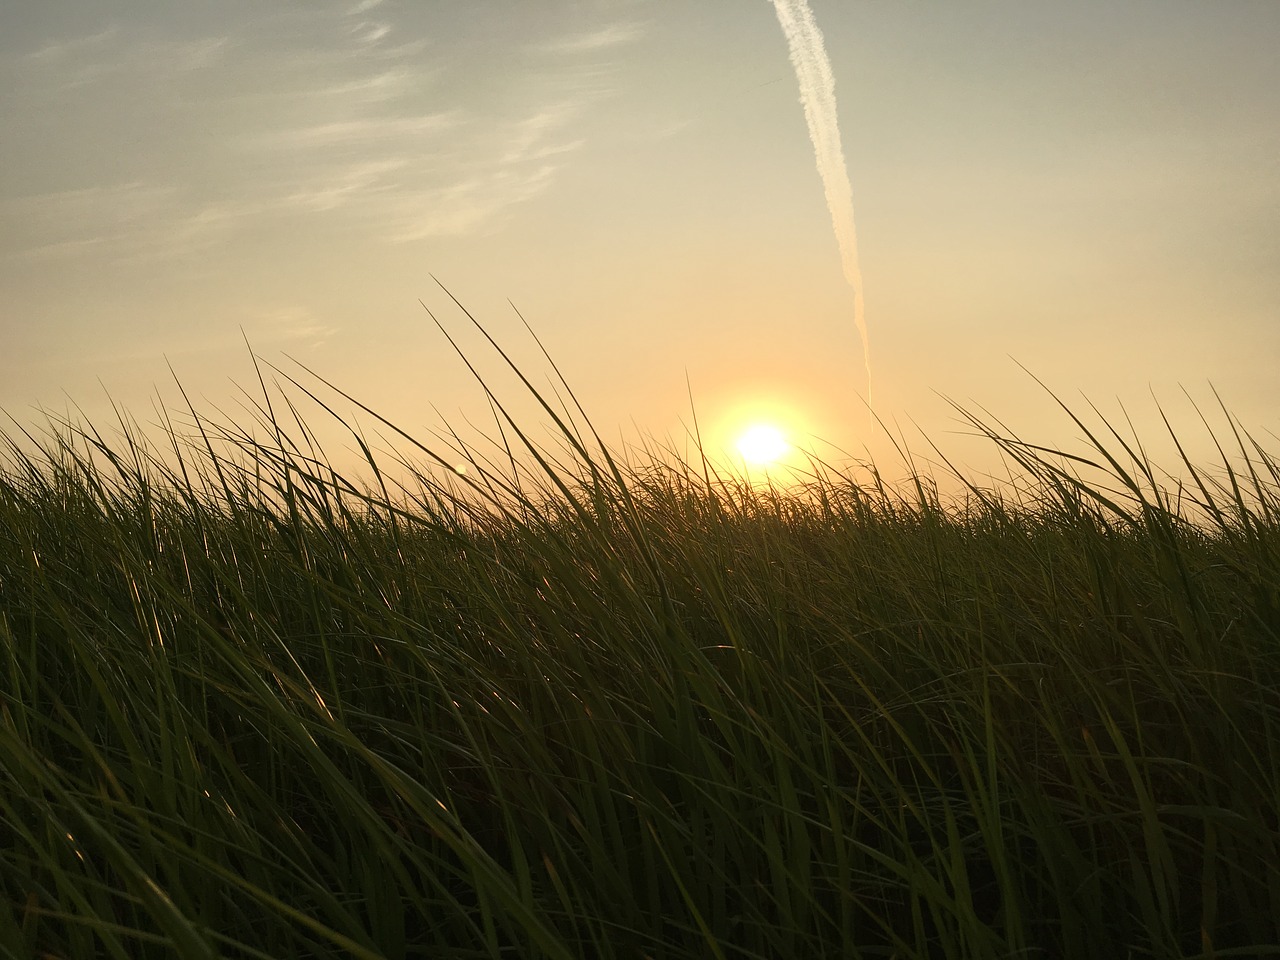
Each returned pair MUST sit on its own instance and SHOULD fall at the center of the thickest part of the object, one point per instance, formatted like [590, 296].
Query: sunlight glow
[762, 444]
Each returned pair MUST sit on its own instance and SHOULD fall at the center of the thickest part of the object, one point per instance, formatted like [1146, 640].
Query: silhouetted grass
[598, 708]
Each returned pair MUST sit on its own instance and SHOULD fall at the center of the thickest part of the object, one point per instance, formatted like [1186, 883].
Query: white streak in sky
[818, 95]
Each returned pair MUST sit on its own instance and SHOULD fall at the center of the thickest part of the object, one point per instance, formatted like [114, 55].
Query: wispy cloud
[363, 132]
[530, 136]
[407, 198]
[69, 222]
[604, 38]
[289, 325]
[332, 189]
[74, 48]
[470, 205]
[448, 172]
[121, 223]
[341, 109]
[375, 88]
[369, 31]
[77, 61]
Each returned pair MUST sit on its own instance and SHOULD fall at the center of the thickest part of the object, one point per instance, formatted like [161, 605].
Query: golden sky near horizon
[1089, 189]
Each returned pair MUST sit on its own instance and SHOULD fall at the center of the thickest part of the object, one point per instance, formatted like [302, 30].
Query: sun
[762, 444]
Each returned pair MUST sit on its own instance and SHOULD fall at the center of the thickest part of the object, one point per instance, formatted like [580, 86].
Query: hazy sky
[1090, 188]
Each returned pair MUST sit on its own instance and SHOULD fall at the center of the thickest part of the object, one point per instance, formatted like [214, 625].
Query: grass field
[593, 708]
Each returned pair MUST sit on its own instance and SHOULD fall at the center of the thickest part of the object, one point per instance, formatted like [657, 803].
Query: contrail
[818, 95]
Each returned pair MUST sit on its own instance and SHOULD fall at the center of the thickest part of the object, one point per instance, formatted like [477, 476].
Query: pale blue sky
[1091, 188]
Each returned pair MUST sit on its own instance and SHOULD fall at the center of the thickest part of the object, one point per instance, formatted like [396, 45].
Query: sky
[1088, 190]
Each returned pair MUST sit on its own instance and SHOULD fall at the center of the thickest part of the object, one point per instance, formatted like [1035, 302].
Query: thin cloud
[355, 132]
[420, 193]
[377, 88]
[290, 325]
[120, 202]
[335, 121]
[77, 61]
[202, 227]
[370, 31]
[530, 133]
[591, 41]
[68, 222]
[192, 55]
[469, 206]
[73, 48]
[130, 223]
[357, 182]
[65, 249]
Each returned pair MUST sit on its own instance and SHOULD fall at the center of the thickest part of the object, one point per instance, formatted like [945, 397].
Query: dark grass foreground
[247, 710]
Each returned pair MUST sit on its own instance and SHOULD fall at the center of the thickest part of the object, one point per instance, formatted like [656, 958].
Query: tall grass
[584, 706]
